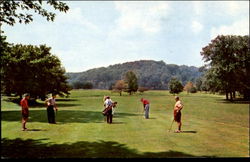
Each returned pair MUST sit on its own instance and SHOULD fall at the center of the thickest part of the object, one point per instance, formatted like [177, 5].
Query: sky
[96, 34]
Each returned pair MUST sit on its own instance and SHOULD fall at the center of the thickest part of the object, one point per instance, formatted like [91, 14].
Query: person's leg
[48, 115]
[53, 116]
[107, 118]
[111, 118]
[147, 111]
[179, 126]
[24, 123]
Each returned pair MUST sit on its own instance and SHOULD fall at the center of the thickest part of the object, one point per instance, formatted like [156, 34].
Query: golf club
[171, 126]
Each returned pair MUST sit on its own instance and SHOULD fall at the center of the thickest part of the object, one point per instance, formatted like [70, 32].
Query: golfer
[108, 104]
[146, 107]
[51, 106]
[177, 113]
[25, 110]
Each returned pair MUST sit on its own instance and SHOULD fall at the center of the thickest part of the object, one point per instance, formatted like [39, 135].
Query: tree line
[150, 74]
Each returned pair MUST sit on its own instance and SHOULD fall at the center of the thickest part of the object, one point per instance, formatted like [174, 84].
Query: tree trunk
[226, 95]
[120, 93]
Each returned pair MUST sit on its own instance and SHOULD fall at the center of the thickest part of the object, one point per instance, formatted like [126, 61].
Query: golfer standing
[51, 106]
[146, 107]
[177, 113]
[108, 104]
[25, 110]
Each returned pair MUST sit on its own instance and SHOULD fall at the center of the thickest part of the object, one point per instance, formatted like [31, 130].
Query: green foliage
[151, 74]
[228, 59]
[131, 81]
[13, 11]
[32, 69]
[81, 85]
[193, 90]
[175, 86]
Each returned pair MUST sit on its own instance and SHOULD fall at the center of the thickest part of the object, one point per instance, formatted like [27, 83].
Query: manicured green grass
[212, 127]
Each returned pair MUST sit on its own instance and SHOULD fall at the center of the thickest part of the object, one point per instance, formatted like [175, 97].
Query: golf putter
[171, 126]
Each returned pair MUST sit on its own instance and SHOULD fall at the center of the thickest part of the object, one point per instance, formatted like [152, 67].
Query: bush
[193, 90]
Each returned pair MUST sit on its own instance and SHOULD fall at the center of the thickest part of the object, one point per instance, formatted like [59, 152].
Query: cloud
[196, 26]
[75, 16]
[145, 16]
[240, 27]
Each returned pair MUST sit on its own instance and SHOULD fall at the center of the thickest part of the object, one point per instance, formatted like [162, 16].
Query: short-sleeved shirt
[25, 107]
[108, 102]
[145, 102]
[178, 105]
[52, 101]
[24, 103]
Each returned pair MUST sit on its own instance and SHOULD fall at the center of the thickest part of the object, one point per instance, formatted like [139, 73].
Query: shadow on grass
[18, 148]
[188, 131]
[62, 116]
[235, 101]
[36, 130]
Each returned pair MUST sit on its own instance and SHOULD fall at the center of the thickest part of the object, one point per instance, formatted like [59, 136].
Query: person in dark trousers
[51, 106]
[109, 105]
[146, 107]
[25, 110]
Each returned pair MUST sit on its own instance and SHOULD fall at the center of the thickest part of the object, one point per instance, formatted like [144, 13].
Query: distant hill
[151, 74]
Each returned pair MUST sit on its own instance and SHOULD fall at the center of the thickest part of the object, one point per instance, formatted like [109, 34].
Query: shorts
[177, 116]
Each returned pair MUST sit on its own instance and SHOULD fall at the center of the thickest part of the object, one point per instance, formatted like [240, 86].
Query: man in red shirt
[25, 110]
[146, 107]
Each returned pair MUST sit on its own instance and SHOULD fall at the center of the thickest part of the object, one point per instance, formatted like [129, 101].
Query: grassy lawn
[212, 128]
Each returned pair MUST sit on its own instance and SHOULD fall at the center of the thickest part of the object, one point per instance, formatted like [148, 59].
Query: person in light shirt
[108, 104]
[177, 113]
[51, 106]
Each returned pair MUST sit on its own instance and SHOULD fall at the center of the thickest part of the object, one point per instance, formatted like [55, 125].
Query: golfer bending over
[146, 107]
[177, 113]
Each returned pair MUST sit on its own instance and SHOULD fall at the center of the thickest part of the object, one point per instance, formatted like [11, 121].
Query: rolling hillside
[151, 74]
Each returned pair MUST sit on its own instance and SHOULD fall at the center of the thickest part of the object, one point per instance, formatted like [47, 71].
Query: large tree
[32, 69]
[131, 80]
[13, 11]
[229, 60]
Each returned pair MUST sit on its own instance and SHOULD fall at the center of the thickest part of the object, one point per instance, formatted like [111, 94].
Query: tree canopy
[131, 81]
[175, 86]
[13, 11]
[228, 62]
[31, 69]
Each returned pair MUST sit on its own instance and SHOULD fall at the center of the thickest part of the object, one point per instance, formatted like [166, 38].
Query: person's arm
[179, 106]
[55, 105]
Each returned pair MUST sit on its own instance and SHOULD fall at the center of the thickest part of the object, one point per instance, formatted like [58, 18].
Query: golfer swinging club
[177, 113]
